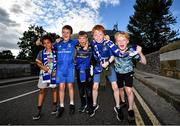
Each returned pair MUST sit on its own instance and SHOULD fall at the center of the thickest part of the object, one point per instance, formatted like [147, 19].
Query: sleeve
[39, 56]
[75, 42]
[110, 52]
[55, 47]
[114, 48]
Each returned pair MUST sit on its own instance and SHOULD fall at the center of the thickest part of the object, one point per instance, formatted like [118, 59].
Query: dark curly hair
[45, 37]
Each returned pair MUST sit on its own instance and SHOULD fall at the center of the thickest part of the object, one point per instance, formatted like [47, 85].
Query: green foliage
[150, 26]
[6, 54]
[27, 45]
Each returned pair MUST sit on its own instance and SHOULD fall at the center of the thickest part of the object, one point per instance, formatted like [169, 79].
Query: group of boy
[59, 62]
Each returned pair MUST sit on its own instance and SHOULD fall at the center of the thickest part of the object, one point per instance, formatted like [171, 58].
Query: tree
[6, 54]
[27, 43]
[150, 26]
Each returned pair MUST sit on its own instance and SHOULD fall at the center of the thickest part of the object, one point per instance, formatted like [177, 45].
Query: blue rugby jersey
[65, 54]
[83, 57]
[103, 49]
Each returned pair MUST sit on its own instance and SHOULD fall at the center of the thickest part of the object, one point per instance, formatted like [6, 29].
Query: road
[18, 103]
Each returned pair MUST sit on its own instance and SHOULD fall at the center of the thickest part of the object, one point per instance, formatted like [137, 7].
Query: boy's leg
[116, 93]
[120, 80]
[71, 97]
[82, 95]
[94, 96]
[81, 89]
[61, 94]
[71, 93]
[61, 98]
[95, 93]
[130, 94]
[54, 100]
[41, 97]
[88, 90]
[113, 79]
[122, 97]
[121, 93]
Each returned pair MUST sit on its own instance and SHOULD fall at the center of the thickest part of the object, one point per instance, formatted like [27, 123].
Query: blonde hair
[122, 34]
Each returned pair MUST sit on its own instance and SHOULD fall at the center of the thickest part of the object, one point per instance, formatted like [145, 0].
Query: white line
[10, 85]
[138, 118]
[9, 99]
[151, 116]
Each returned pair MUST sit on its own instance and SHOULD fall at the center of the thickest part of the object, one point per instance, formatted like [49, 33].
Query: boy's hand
[86, 46]
[58, 40]
[105, 64]
[45, 68]
[139, 49]
[54, 73]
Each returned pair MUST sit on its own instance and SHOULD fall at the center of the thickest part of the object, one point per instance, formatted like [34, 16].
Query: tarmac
[166, 87]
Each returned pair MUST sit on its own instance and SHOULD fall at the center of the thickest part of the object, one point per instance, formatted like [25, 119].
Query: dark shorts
[125, 79]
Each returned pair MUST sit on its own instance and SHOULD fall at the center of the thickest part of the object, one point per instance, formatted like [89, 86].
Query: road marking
[9, 99]
[11, 85]
[151, 116]
[138, 118]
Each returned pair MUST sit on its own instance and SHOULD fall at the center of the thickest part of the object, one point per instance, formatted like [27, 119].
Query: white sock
[118, 106]
[62, 105]
[71, 102]
[94, 104]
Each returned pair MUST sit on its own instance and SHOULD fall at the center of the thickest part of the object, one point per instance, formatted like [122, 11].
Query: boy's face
[98, 36]
[47, 44]
[66, 34]
[82, 40]
[122, 42]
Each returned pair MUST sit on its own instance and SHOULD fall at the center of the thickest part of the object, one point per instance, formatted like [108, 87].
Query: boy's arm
[75, 42]
[114, 48]
[143, 58]
[41, 66]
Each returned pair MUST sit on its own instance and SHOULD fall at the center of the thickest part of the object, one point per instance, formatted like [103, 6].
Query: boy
[46, 60]
[65, 68]
[84, 79]
[104, 59]
[124, 67]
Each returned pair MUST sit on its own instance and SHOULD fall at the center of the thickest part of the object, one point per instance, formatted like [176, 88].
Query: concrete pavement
[166, 87]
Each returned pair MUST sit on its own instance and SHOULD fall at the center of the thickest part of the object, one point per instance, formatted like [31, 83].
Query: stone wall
[16, 68]
[170, 60]
[165, 62]
[153, 63]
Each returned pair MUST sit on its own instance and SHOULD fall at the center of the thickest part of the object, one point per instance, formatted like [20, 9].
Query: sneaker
[71, 109]
[87, 109]
[82, 108]
[131, 115]
[60, 111]
[93, 110]
[54, 110]
[119, 113]
[37, 116]
[122, 104]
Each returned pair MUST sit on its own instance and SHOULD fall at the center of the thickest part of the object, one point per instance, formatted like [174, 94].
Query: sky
[17, 15]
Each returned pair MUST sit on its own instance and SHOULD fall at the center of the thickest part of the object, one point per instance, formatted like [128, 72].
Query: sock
[117, 106]
[94, 104]
[71, 102]
[62, 105]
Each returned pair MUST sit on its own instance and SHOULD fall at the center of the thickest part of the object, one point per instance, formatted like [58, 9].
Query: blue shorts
[111, 77]
[65, 77]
